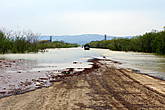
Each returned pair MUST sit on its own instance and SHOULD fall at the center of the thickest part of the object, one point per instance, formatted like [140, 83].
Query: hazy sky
[65, 17]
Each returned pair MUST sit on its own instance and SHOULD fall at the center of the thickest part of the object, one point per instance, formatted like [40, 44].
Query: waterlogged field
[24, 72]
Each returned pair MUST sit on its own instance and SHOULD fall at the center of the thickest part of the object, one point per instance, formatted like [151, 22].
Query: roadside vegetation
[24, 42]
[152, 42]
[55, 44]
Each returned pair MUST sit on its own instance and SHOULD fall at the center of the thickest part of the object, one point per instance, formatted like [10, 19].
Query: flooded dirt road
[28, 71]
[104, 87]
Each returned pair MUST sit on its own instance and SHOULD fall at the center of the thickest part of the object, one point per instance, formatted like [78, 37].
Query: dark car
[86, 47]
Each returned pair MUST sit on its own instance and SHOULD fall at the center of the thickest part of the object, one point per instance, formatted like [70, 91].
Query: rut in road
[116, 89]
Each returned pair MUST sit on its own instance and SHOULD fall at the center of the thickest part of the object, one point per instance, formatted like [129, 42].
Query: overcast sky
[71, 17]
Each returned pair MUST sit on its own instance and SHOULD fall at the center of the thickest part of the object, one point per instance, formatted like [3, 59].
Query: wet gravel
[16, 76]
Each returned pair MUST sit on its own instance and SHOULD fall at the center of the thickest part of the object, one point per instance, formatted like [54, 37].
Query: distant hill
[79, 39]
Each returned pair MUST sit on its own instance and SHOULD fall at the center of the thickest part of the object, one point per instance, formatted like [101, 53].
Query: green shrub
[153, 42]
[26, 43]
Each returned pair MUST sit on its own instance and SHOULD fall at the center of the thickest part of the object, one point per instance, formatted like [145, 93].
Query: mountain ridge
[80, 39]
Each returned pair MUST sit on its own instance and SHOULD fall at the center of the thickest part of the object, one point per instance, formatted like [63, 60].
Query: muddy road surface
[104, 87]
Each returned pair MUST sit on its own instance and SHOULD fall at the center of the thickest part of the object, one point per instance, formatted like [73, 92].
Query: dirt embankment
[103, 87]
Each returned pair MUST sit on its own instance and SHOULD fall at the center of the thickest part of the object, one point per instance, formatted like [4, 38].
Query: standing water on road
[24, 72]
[147, 63]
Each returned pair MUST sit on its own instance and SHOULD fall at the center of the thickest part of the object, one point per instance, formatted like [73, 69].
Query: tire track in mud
[160, 97]
[132, 100]
[140, 97]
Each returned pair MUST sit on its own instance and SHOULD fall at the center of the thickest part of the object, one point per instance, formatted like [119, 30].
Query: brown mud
[102, 87]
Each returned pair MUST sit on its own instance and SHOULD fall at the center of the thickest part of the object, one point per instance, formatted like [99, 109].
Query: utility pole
[50, 38]
[105, 37]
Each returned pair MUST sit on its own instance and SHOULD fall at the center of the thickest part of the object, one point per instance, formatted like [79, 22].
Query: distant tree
[152, 42]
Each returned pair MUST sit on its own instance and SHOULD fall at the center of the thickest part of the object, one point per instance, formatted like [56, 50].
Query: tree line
[152, 42]
[23, 42]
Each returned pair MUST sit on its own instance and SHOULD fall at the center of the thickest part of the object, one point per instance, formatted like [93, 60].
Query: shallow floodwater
[24, 72]
[64, 58]
[147, 63]
[56, 58]
[34, 69]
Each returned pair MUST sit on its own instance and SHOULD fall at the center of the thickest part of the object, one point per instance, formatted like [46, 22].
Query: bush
[153, 42]
[26, 42]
